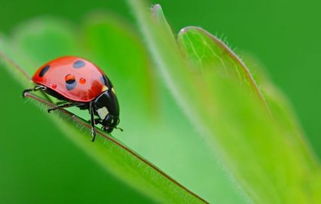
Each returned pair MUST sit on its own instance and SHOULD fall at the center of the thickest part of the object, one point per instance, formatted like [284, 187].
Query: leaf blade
[272, 165]
[234, 106]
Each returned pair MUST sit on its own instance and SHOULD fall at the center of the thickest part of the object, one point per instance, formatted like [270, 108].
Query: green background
[283, 35]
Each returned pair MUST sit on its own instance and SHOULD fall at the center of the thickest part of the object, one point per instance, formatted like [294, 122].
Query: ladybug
[78, 82]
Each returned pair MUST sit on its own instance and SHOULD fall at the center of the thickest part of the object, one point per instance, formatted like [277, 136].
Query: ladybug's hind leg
[36, 88]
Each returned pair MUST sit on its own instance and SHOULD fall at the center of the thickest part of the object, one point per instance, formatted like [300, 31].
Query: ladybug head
[110, 124]
[107, 108]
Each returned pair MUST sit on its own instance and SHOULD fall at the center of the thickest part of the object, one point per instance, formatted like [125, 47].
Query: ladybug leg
[92, 121]
[36, 88]
[60, 103]
[67, 105]
[118, 128]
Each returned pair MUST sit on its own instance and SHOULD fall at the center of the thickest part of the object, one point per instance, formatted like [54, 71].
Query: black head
[106, 107]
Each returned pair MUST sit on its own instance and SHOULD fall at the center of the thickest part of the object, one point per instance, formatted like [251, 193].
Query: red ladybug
[80, 83]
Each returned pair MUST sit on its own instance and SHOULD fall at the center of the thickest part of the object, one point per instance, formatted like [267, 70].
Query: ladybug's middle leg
[66, 105]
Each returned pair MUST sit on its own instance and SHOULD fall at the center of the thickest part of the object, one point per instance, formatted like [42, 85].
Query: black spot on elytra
[78, 64]
[70, 82]
[44, 70]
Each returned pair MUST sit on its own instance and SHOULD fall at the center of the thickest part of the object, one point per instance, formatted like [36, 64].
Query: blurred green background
[283, 35]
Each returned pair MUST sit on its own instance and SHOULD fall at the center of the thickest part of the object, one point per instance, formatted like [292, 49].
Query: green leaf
[208, 52]
[231, 114]
[167, 139]
[108, 151]
[282, 109]
[258, 155]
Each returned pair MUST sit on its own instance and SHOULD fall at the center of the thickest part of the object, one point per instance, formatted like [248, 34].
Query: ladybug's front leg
[36, 88]
[92, 121]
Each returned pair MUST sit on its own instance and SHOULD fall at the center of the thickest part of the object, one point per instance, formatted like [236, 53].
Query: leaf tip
[157, 11]
[156, 7]
[189, 29]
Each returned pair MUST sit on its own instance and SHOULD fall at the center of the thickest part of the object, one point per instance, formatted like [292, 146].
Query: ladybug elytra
[78, 82]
